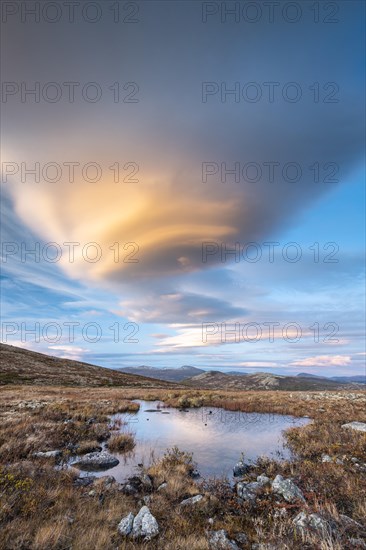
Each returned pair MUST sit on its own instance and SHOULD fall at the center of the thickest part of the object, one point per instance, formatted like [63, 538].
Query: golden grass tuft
[121, 443]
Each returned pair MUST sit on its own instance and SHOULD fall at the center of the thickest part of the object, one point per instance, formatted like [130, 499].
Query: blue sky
[170, 307]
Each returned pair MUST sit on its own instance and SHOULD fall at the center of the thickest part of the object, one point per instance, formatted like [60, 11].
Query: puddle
[216, 437]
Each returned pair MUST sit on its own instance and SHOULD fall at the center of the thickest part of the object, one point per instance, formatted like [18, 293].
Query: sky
[190, 179]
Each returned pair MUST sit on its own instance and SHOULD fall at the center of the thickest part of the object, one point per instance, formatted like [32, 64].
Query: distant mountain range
[264, 381]
[193, 376]
[168, 374]
[344, 379]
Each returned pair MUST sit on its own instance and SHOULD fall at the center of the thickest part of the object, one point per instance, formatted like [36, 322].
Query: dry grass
[41, 508]
[121, 443]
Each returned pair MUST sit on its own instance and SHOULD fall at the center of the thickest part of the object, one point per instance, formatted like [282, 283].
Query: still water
[215, 437]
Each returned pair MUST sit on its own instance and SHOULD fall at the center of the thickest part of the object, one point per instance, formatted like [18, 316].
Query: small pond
[216, 437]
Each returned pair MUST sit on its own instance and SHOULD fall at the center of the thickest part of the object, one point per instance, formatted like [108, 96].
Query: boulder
[97, 461]
[126, 524]
[145, 525]
[359, 426]
[263, 480]
[219, 540]
[287, 489]
[192, 500]
[306, 522]
[248, 491]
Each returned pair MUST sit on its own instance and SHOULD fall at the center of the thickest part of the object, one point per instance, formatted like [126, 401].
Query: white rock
[287, 489]
[97, 460]
[219, 540]
[263, 480]
[248, 491]
[304, 521]
[327, 458]
[191, 500]
[145, 525]
[125, 525]
[359, 426]
[48, 454]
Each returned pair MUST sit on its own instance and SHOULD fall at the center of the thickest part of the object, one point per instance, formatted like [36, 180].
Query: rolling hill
[21, 366]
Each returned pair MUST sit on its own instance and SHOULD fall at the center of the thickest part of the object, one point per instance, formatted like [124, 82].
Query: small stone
[359, 426]
[326, 458]
[125, 525]
[304, 521]
[263, 480]
[92, 493]
[219, 540]
[287, 489]
[192, 500]
[48, 454]
[162, 486]
[248, 491]
[240, 469]
[84, 481]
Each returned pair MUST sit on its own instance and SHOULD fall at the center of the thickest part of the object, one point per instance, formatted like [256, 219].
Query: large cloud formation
[170, 132]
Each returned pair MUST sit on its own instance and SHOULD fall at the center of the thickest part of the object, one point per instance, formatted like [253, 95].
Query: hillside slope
[21, 366]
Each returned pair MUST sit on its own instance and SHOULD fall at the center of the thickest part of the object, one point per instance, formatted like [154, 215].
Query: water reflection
[215, 437]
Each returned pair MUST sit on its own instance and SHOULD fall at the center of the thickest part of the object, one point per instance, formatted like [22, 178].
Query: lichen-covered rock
[326, 458]
[97, 460]
[145, 525]
[287, 489]
[192, 500]
[263, 480]
[248, 491]
[241, 538]
[126, 524]
[219, 540]
[48, 454]
[359, 426]
[306, 522]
